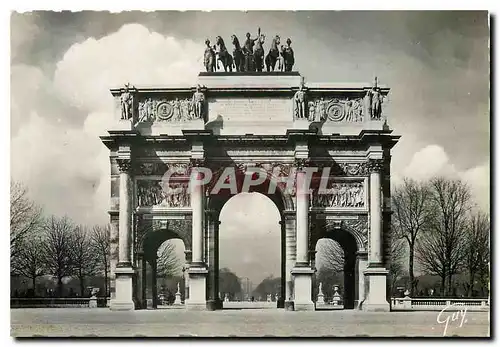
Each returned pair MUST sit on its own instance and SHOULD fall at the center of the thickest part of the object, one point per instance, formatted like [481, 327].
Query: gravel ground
[242, 323]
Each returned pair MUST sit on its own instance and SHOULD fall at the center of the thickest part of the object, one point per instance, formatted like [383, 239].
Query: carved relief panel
[340, 194]
[156, 193]
[336, 110]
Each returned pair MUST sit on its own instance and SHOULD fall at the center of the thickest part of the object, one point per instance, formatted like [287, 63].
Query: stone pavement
[244, 323]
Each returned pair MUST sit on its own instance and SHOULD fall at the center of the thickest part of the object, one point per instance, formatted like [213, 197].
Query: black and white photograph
[250, 173]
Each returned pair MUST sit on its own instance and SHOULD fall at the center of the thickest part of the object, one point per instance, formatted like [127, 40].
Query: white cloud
[60, 156]
[132, 54]
[432, 161]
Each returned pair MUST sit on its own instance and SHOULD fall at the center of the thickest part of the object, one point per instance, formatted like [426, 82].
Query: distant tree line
[55, 246]
[437, 230]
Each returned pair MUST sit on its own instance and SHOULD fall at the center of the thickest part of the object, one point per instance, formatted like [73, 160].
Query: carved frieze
[340, 194]
[336, 110]
[163, 194]
[167, 110]
[160, 168]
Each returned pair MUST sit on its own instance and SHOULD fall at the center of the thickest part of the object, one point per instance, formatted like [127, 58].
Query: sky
[63, 65]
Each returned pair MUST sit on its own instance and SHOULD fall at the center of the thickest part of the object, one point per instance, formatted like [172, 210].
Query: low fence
[57, 302]
[438, 304]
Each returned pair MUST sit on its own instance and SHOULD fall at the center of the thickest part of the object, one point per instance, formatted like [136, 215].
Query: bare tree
[100, 238]
[411, 215]
[29, 261]
[440, 250]
[330, 256]
[168, 262]
[396, 268]
[25, 216]
[477, 247]
[57, 249]
[84, 259]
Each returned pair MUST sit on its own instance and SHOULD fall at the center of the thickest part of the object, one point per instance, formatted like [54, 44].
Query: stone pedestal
[321, 299]
[303, 289]
[197, 289]
[301, 124]
[178, 300]
[124, 290]
[93, 302]
[376, 296]
[336, 296]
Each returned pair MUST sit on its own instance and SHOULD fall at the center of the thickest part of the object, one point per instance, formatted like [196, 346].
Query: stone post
[376, 273]
[302, 271]
[197, 270]
[124, 271]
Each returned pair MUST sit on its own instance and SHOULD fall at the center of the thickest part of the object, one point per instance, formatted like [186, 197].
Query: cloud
[132, 54]
[432, 161]
[57, 120]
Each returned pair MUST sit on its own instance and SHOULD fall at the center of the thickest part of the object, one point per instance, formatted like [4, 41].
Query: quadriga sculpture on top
[250, 56]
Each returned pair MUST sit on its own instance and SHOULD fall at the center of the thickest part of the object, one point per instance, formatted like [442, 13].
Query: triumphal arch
[319, 151]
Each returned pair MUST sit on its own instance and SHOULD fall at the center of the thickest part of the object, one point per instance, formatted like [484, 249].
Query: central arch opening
[250, 252]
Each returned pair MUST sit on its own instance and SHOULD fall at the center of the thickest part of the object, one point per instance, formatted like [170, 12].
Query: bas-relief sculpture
[335, 110]
[173, 110]
[345, 194]
[154, 193]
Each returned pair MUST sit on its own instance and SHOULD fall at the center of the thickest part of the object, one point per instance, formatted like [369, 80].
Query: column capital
[301, 163]
[375, 165]
[124, 164]
[197, 162]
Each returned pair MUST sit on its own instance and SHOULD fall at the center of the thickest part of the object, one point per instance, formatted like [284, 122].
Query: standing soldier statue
[300, 102]
[198, 102]
[248, 51]
[126, 103]
[288, 56]
[376, 101]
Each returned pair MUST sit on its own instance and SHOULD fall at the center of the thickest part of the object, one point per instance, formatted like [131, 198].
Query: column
[124, 271]
[361, 284]
[302, 271]
[154, 277]
[289, 258]
[376, 274]
[144, 282]
[197, 270]
[214, 302]
[140, 282]
[187, 253]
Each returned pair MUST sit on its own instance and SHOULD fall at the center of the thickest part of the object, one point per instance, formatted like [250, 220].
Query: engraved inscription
[251, 109]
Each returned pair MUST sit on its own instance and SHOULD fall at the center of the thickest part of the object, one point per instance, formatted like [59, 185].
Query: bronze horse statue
[209, 57]
[274, 55]
[258, 54]
[223, 55]
[238, 58]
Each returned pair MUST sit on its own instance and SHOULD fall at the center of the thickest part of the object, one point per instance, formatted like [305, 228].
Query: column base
[303, 288]
[304, 306]
[211, 305]
[376, 297]
[123, 300]
[197, 289]
[289, 306]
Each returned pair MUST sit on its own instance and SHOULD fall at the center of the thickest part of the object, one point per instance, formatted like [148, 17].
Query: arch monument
[319, 151]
